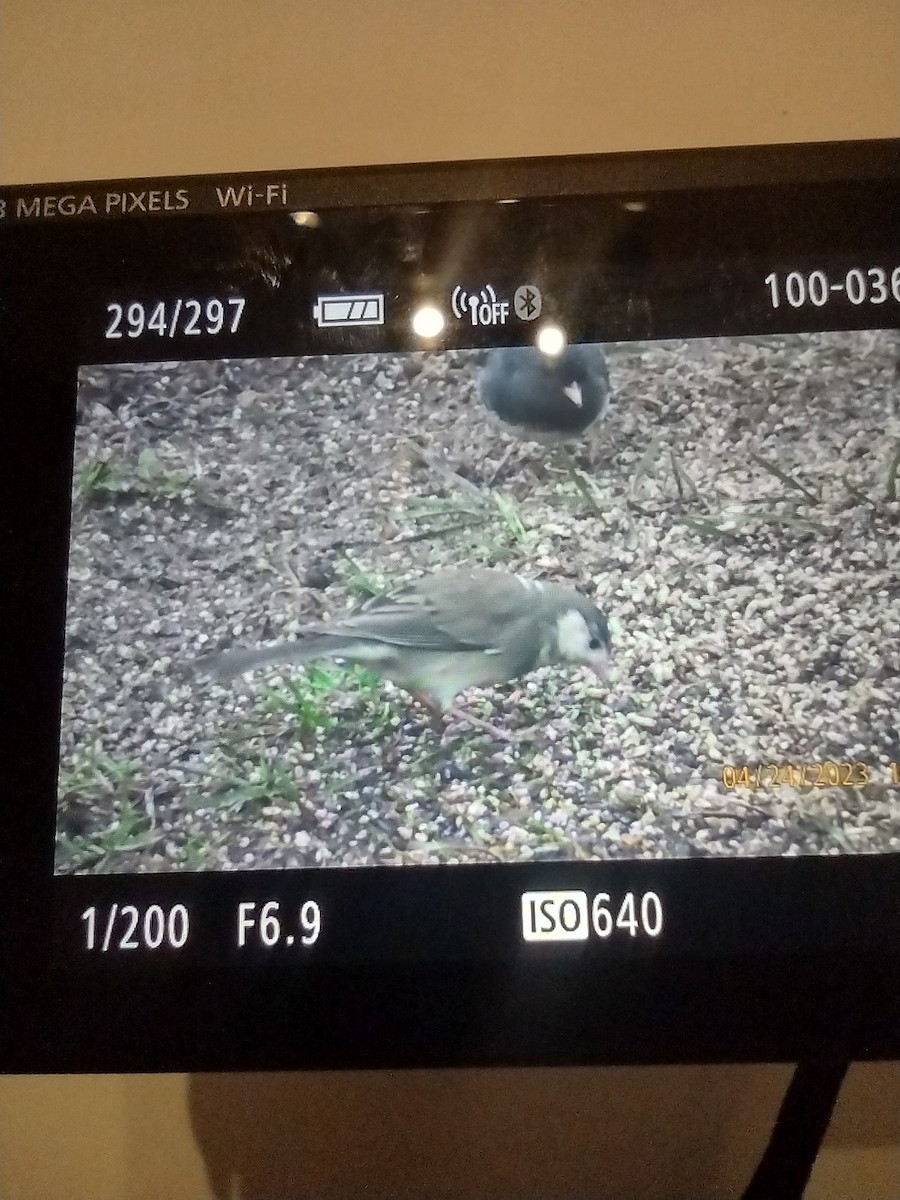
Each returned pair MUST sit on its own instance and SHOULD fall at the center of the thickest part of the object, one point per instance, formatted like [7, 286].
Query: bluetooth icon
[527, 302]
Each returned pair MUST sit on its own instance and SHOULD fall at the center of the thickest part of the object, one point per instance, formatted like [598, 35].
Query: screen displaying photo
[379, 610]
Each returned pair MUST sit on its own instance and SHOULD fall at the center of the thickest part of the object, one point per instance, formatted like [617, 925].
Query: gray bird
[444, 633]
[545, 398]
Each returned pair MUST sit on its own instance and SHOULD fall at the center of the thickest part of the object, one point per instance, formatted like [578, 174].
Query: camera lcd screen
[450, 614]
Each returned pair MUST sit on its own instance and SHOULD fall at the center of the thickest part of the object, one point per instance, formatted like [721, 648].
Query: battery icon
[364, 308]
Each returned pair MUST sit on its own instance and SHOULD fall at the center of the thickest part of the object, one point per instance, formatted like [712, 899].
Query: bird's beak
[599, 663]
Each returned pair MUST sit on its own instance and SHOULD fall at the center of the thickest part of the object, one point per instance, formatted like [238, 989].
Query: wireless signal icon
[466, 303]
[482, 307]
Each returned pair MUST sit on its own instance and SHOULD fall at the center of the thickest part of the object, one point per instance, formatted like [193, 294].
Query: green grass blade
[787, 479]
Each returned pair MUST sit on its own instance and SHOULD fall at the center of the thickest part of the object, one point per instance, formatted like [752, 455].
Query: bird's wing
[400, 624]
[438, 613]
[479, 608]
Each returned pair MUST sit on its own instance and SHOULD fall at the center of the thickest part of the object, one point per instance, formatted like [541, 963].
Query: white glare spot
[307, 220]
[427, 321]
[635, 205]
[551, 340]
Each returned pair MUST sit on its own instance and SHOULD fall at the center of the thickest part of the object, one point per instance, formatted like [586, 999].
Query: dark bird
[444, 633]
[545, 398]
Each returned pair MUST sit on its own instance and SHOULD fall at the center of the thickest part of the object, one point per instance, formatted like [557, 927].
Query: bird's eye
[594, 643]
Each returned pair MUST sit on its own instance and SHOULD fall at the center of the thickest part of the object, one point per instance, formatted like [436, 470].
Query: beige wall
[94, 88]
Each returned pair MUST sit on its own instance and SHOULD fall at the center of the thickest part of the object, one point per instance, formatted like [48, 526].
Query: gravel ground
[733, 516]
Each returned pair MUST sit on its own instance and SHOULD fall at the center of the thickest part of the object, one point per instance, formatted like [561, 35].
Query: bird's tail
[307, 648]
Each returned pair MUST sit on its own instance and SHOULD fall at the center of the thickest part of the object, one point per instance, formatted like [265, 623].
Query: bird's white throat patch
[573, 391]
[572, 636]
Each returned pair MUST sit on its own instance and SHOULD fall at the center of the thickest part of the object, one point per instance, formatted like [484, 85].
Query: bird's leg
[434, 710]
[502, 735]
[438, 714]
[489, 482]
[566, 459]
[597, 446]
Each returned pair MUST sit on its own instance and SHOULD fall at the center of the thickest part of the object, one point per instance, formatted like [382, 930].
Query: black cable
[799, 1130]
